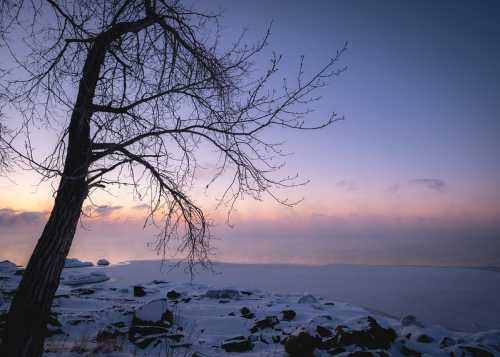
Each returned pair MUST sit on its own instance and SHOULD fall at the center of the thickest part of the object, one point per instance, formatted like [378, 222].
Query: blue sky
[411, 175]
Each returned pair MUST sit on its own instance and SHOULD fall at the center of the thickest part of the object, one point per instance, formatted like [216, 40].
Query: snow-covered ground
[457, 298]
[165, 315]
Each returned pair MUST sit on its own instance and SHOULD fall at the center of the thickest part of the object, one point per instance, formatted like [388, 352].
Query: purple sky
[412, 176]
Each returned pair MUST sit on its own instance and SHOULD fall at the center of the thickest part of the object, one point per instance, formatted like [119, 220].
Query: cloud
[348, 185]
[141, 206]
[430, 184]
[107, 210]
[10, 217]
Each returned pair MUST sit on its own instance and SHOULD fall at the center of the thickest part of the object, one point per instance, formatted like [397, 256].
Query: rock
[423, 338]
[336, 351]
[323, 331]
[410, 320]
[159, 282]
[75, 263]
[107, 341]
[288, 315]
[173, 295]
[246, 313]
[369, 335]
[82, 279]
[447, 342]
[139, 291]
[223, 294]
[268, 322]
[368, 354]
[405, 351]
[102, 262]
[472, 351]
[301, 345]
[308, 299]
[237, 344]
[83, 291]
[53, 326]
[150, 322]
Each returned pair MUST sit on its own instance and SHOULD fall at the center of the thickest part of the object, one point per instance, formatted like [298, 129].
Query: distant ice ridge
[82, 279]
[7, 266]
[75, 263]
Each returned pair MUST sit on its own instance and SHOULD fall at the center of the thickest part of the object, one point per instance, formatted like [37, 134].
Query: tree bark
[30, 308]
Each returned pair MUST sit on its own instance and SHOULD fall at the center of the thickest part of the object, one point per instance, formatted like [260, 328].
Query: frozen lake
[457, 298]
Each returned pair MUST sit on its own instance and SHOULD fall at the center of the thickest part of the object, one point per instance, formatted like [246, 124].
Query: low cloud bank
[310, 239]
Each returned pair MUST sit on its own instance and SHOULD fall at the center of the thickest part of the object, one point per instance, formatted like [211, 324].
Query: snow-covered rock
[308, 299]
[82, 279]
[410, 320]
[75, 263]
[103, 262]
[7, 266]
[154, 312]
[152, 322]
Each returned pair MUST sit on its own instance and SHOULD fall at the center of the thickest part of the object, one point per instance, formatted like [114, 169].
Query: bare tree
[144, 85]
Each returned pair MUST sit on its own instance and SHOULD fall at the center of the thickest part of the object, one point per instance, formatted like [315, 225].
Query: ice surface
[81, 279]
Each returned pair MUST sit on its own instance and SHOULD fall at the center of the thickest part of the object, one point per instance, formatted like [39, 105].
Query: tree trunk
[29, 311]
[26, 326]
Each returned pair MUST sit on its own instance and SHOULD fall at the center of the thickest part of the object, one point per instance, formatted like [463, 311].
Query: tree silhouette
[136, 88]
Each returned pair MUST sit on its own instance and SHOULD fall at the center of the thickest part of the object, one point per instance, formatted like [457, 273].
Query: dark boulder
[246, 313]
[423, 338]
[336, 351]
[323, 331]
[447, 342]
[472, 351]
[268, 322]
[301, 345]
[405, 351]
[370, 336]
[139, 291]
[83, 291]
[173, 295]
[288, 315]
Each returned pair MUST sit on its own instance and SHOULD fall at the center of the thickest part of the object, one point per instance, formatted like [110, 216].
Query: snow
[223, 294]
[75, 263]
[104, 318]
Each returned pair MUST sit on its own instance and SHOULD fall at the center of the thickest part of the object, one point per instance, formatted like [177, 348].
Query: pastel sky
[411, 176]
